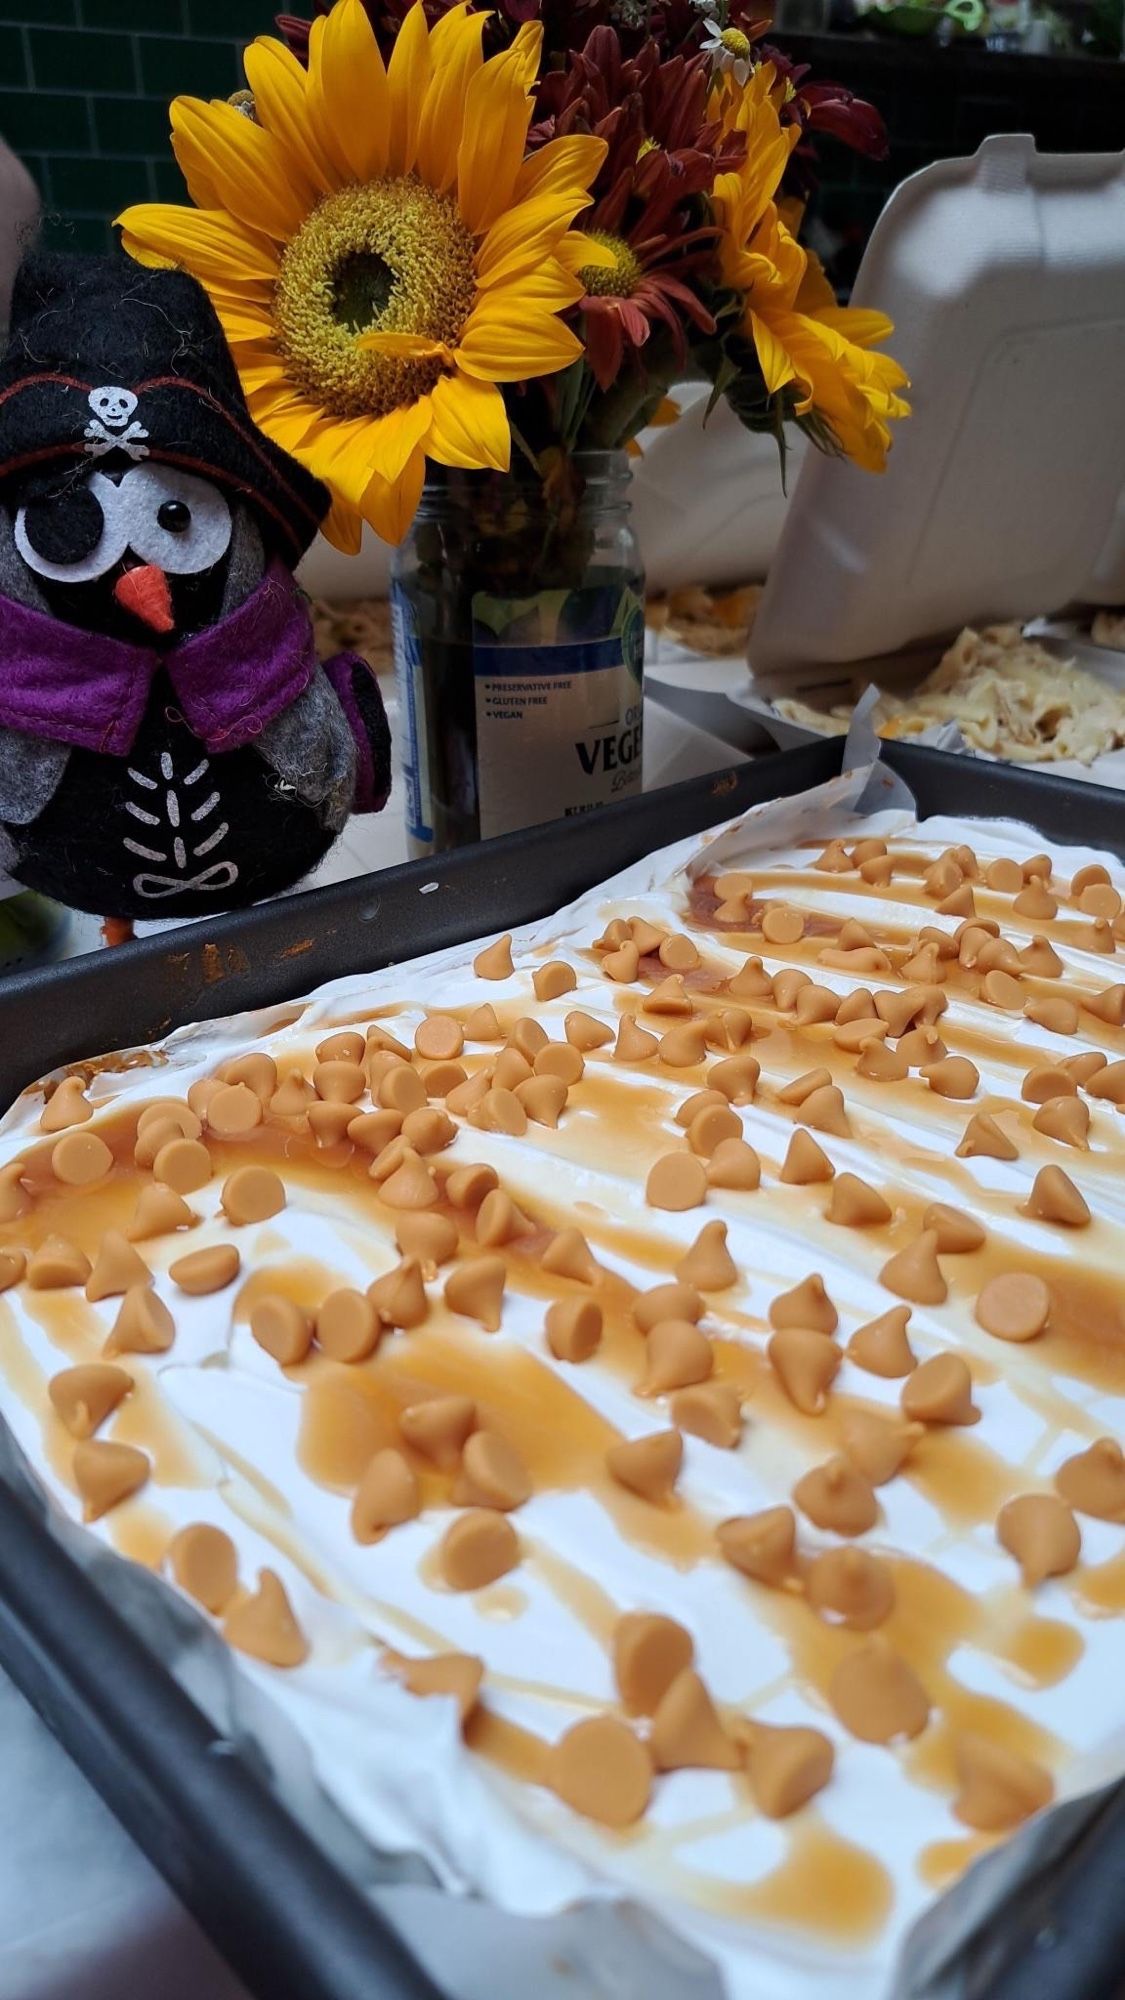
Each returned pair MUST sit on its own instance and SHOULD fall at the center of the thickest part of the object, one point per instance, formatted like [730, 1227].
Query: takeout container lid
[1004, 496]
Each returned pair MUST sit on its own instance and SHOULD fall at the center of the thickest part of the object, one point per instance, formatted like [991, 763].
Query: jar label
[559, 725]
[412, 711]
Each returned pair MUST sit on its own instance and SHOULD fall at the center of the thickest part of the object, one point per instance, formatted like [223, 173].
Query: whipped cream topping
[273, 1456]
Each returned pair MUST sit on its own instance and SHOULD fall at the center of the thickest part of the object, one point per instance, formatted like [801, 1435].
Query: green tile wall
[84, 92]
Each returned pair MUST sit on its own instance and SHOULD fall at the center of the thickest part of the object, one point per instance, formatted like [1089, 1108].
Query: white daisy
[730, 50]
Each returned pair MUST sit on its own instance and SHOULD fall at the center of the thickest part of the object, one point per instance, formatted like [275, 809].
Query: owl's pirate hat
[106, 357]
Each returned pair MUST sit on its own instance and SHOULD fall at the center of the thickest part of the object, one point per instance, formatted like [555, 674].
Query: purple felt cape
[89, 691]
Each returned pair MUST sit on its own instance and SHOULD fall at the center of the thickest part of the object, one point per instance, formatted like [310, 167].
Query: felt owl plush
[170, 744]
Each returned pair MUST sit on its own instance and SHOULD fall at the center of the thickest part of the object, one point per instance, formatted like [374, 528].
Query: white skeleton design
[113, 426]
[179, 818]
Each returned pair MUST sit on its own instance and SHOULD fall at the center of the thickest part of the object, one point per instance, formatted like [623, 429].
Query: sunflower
[380, 252]
[821, 353]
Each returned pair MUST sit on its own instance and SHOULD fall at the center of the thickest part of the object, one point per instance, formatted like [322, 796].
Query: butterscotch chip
[56, 1265]
[1108, 1005]
[13, 1265]
[67, 1105]
[668, 997]
[877, 1696]
[282, 1329]
[1035, 901]
[684, 1046]
[914, 1272]
[877, 1445]
[806, 1304]
[185, 1164]
[84, 1397]
[1047, 1081]
[543, 1098]
[1037, 864]
[204, 1562]
[493, 1474]
[940, 1391]
[648, 1466]
[783, 925]
[855, 1204]
[256, 1069]
[1108, 1083]
[14, 1198]
[478, 1548]
[1040, 1531]
[633, 1044]
[881, 1346]
[500, 1221]
[921, 1049]
[476, 1289]
[850, 1587]
[387, 1495]
[200, 1094]
[857, 1036]
[432, 1239]
[751, 981]
[439, 1038]
[585, 1033]
[1014, 1306]
[561, 1061]
[708, 1265]
[143, 1325]
[381, 1040]
[647, 937]
[428, 1130]
[106, 1474]
[402, 1089]
[574, 1329]
[159, 1212]
[467, 1186]
[1005, 875]
[997, 1788]
[622, 965]
[1059, 1017]
[232, 1112]
[382, 1063]
[346, 1046]
[151, 1137]
[1054, 1198]
[805, 1163]
[942, 876]
[649, 1651]
[814, 1004]
[737, 1077]
[762, 1546]
[292, 1098]
[836, 1496]
[956, 1232]
[499, 1110]
[264, 1625]
[983, 1135]
[1093, 1481]
[568, 1255]
[439, 1427]
[678, 953]
[676, 1182]
[411, 1185]
[677, 1354]
[117, 1268]
[399, 1298]
[482, 1025]
[253, 1194]
[1041, 959]
[495, 961]
[787, 1767]
[329, 1123]
[834, 860]
[882, 1064]
[711, 1411]
[554, 979]
[686, 1732]
[953, 1076]
[349, 1325]
[335, 1083]
[859, 1004]
[442, 1077]
[673, 1301]
[806, 1363]
[1092, 872]
[1066, 1119]
[80, 1158]
[600, 1769]
[204, 1271]
[735, 1165]
[528, 1037]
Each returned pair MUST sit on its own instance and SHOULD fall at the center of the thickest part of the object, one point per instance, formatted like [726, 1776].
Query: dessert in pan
[643, 1398]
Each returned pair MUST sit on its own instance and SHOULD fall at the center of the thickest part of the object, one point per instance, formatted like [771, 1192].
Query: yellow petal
[280, 87]
[560, 165]
[409, 76]
[208, 243]
[241, 323]
[546, 285]
[578, 252]
[348, 95]
[469, 425]
[777, 369]
[494, 136]
[455, 50]
[343, 527]
[495, 350]
[391, 509]
[403, 346]
[527, 232]
[250, 170]
[395, 438]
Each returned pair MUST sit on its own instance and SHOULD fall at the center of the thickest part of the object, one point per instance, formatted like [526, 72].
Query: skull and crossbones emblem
[113, 426]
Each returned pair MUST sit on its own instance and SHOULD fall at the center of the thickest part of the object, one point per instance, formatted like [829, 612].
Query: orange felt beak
[144, 591]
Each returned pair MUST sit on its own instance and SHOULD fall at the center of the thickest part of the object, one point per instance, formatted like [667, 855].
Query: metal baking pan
[270, 1899]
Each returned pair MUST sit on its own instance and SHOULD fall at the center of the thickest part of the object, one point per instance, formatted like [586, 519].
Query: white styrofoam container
[1005, 493]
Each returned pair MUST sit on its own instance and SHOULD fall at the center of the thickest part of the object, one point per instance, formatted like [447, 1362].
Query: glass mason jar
[518, 612]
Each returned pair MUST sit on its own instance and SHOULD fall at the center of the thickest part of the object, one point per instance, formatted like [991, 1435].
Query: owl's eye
[173, 519]
[74, 535]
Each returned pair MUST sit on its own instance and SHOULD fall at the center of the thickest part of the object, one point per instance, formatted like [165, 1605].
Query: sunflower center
[735, 42]
[385, 256]
[618, 280]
